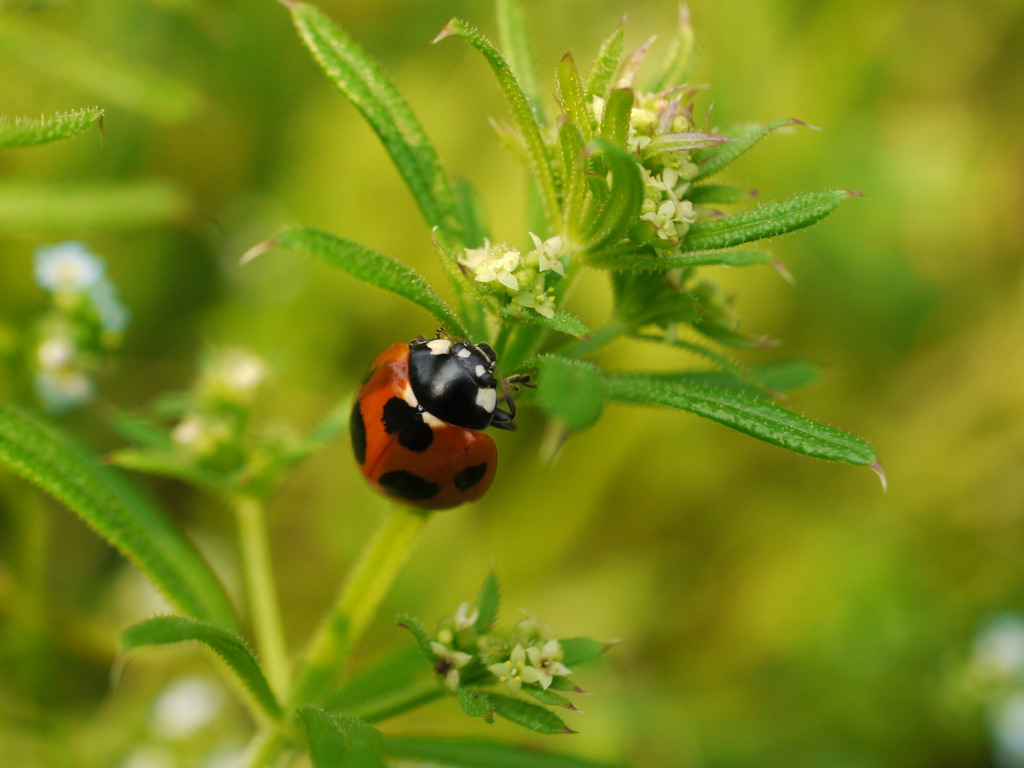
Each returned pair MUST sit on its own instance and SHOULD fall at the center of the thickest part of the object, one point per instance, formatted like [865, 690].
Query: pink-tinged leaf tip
[567, 729]
[784, 273]
[852, 193]
[448, 31]
[765, 342]
[879, 470]
[684, 15]
[291, 5]
[257, 250]
[794, 121]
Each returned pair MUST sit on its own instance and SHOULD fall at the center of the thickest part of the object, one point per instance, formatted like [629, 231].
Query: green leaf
[680, 60]
[117, 513]
[711, 161]
[722, 194]
[768, 220]
[380, 680]
[423, 638]
[165, 630]
[28, 132]
[366, 265]
[579, 650]
[616, 117]
[562, 322]
[479, 753]
[113, 81]
[573, 98]
[471, 214]
[515, 42]
[644, 260]
[341, 741]
[607, 62]
[530, 716]
[522, 114]
[488, 600]
[757, 418]
[569, 391]
[613, 217]
[549, 697]
[475, 703]
[683, 141]
[29, 208]
[574, 187]
[359, 77]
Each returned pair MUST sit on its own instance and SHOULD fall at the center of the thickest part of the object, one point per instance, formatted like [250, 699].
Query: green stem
[397, 702]
[367, 586]
[262, 593]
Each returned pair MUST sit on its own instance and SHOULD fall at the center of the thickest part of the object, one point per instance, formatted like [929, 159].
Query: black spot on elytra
[408, 486]
[470, 476]
[357, 431]
[402, 418]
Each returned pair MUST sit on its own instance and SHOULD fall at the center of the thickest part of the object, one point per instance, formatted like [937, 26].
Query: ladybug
[417, 420]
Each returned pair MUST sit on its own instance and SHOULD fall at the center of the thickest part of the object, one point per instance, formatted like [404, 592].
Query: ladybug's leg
[503, 419]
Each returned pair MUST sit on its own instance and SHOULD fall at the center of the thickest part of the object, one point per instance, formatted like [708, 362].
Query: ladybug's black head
[454, 381]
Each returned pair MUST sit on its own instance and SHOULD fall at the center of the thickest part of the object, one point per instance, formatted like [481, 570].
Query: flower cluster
[85, 321]
[525, 279]
[530, 657]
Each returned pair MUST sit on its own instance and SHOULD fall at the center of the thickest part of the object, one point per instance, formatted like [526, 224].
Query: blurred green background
[773, 610]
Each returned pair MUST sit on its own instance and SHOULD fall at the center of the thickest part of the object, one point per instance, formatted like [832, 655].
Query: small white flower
[67, 267]
[549, 252]
[465, 617]
[474, 257]
[186, 706]
[547, 660]
[999, 648]
[233, 375]
[514, 672]
[1008, 730]
[448, 664]
[539, 299]
[63, 389]
[113, 315]
[55, 352]
[499, 265]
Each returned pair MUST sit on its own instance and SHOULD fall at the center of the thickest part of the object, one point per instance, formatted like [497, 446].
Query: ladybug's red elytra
[417, 420]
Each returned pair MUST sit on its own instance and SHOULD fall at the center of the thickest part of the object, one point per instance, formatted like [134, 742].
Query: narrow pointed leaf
[475, 703]
[630, 66]
[530, 716]
[360, 78]
[579, 650]
[616, 117]
[679, 61]
[28, 132]
[522, 114]
[708, 194]
[562, 322]
[419, 633]
[341, 741]
[488, 601]
[682, 142]
[549, 697]
[471, 214]
[646, 261]
[569, 391]
[767, 220]
[607, 62]
[75, 61]
[29, 208]
[480, 753]
[165, 630]
[574, 188]
[166, 464]
[368, 266]
[380, 680]
[620, 211]
[573, 97]
[711, 161]
[117, 513]
[515, 43]
[763, 420]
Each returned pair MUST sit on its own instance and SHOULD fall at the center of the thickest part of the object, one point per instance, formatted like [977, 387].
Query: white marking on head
[409, 397]
[464, 353]
[439, 346]
[480, 371]
[487, 399]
